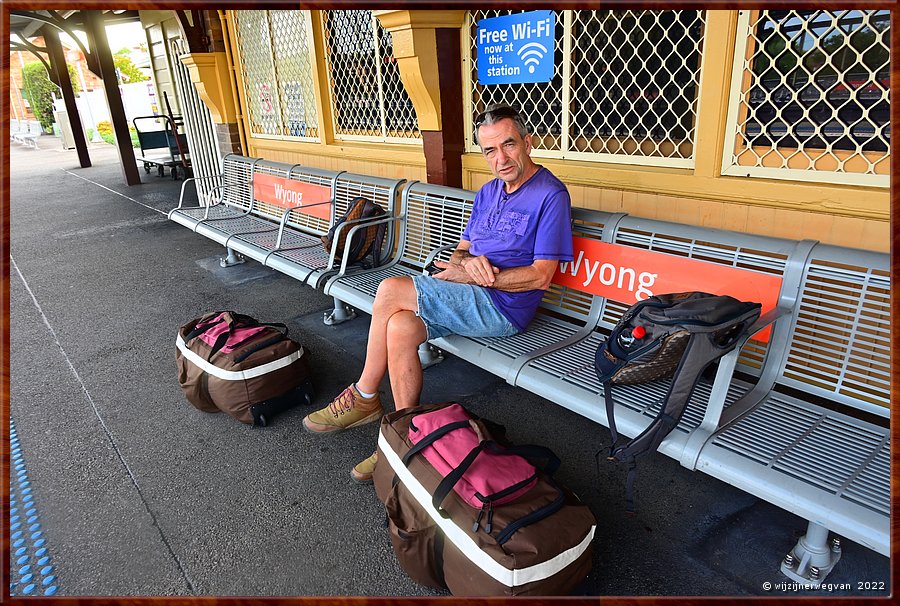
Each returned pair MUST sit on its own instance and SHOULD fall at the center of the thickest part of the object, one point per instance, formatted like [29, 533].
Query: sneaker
[363, 471]
[347, 410]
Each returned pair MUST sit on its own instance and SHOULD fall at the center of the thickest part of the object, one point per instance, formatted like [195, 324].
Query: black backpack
[671, 335]
[367, 240]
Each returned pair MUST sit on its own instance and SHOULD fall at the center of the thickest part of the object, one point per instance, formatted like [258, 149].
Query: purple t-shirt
[512, 230]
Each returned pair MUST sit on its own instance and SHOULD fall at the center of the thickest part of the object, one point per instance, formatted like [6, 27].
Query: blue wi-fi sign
[516, 48]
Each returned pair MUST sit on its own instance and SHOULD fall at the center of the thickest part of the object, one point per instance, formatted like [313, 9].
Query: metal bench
[259, 211]
[30, 134]
[807, 445]
[786, 448]
[16, 127]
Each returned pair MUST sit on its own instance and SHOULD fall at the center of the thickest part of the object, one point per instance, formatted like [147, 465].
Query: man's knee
[405, 328]
[394, 294]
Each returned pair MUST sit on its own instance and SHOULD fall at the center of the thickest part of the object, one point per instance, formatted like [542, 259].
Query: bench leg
[813, 557]
[233, 258]
[341, 313]
[429, 355]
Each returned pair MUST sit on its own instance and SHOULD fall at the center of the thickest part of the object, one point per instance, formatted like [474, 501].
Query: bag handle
[199, 329]
[234, 320]
[526, 451]
[431, 438]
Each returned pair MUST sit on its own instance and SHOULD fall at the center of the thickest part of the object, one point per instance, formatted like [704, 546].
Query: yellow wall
[367, 159]
[852, 216]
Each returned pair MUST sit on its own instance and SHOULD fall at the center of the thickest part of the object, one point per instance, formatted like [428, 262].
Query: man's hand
[480, 269]
[457, 272]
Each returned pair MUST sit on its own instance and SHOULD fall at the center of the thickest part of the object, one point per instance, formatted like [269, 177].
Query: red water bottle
[627, 338]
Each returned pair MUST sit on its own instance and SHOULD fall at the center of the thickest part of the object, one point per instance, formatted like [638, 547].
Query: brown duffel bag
[529, 536]
[233, 363]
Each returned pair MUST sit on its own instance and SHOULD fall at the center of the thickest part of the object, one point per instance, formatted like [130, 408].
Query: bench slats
[787, 443]
[247, 214]
[839, 346]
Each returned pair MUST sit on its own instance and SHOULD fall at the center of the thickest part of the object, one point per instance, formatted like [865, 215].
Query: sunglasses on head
[500, 112]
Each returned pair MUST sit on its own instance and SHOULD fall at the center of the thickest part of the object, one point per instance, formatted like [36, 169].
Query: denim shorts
[459, 309]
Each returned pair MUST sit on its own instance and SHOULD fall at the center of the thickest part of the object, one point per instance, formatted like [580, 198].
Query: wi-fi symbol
[531, 54]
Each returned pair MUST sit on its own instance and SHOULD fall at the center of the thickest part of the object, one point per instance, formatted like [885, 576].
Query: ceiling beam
[24, 45]
[66, 25]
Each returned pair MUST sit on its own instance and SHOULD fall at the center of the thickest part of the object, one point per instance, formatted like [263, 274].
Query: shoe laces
[343, 403]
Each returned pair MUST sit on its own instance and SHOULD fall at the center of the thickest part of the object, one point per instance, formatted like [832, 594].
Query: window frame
[276, 82]
[379, 58]
[741, 78]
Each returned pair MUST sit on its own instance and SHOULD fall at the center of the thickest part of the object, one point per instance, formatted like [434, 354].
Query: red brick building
[19, 108]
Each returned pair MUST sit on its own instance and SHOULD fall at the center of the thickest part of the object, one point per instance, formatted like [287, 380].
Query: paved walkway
[141, 494]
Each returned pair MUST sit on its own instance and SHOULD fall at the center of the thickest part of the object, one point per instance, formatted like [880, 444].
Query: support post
[232, 258]
[96, 32]
[58, 63]
[341, 313]
[429, 355]
[425, 43]
[813, 557]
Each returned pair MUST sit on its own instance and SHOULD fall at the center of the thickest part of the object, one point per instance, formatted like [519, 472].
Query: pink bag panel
[489, 474]
[237, 336]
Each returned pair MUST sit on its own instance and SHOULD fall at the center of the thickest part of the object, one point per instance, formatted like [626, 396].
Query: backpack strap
[610, 415]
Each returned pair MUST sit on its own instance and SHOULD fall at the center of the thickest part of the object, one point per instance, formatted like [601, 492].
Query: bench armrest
[712, 416]
[221, 189]
[727, 365]
[181, 196]
[433, 254]
[765, 320]
[287, 213]
[360, 223]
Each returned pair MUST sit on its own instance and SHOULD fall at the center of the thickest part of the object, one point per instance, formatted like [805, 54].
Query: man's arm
[469, 269]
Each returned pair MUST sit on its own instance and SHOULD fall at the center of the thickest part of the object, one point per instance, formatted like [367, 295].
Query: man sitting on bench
[520, 229]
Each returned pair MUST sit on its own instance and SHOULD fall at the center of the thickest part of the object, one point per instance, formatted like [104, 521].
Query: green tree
[73, 78]
[126, 69]
[39, 91]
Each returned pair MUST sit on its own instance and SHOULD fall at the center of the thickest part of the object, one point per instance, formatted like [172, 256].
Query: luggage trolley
[169, 139]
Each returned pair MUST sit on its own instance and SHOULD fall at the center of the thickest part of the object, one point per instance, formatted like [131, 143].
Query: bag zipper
[271, 341]
[506, 491]
[535, 516]
[488, 502]
[248, 339]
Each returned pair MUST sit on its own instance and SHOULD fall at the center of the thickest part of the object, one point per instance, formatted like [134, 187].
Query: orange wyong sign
[288, 193]
[629, 275]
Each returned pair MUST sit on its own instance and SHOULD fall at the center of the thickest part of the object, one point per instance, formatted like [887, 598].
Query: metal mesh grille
[840, 343]
[624, 87]
[274, 50]
[291, 53]
[811, 93]
[368, 97]
[540, 103]
[433, 219]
